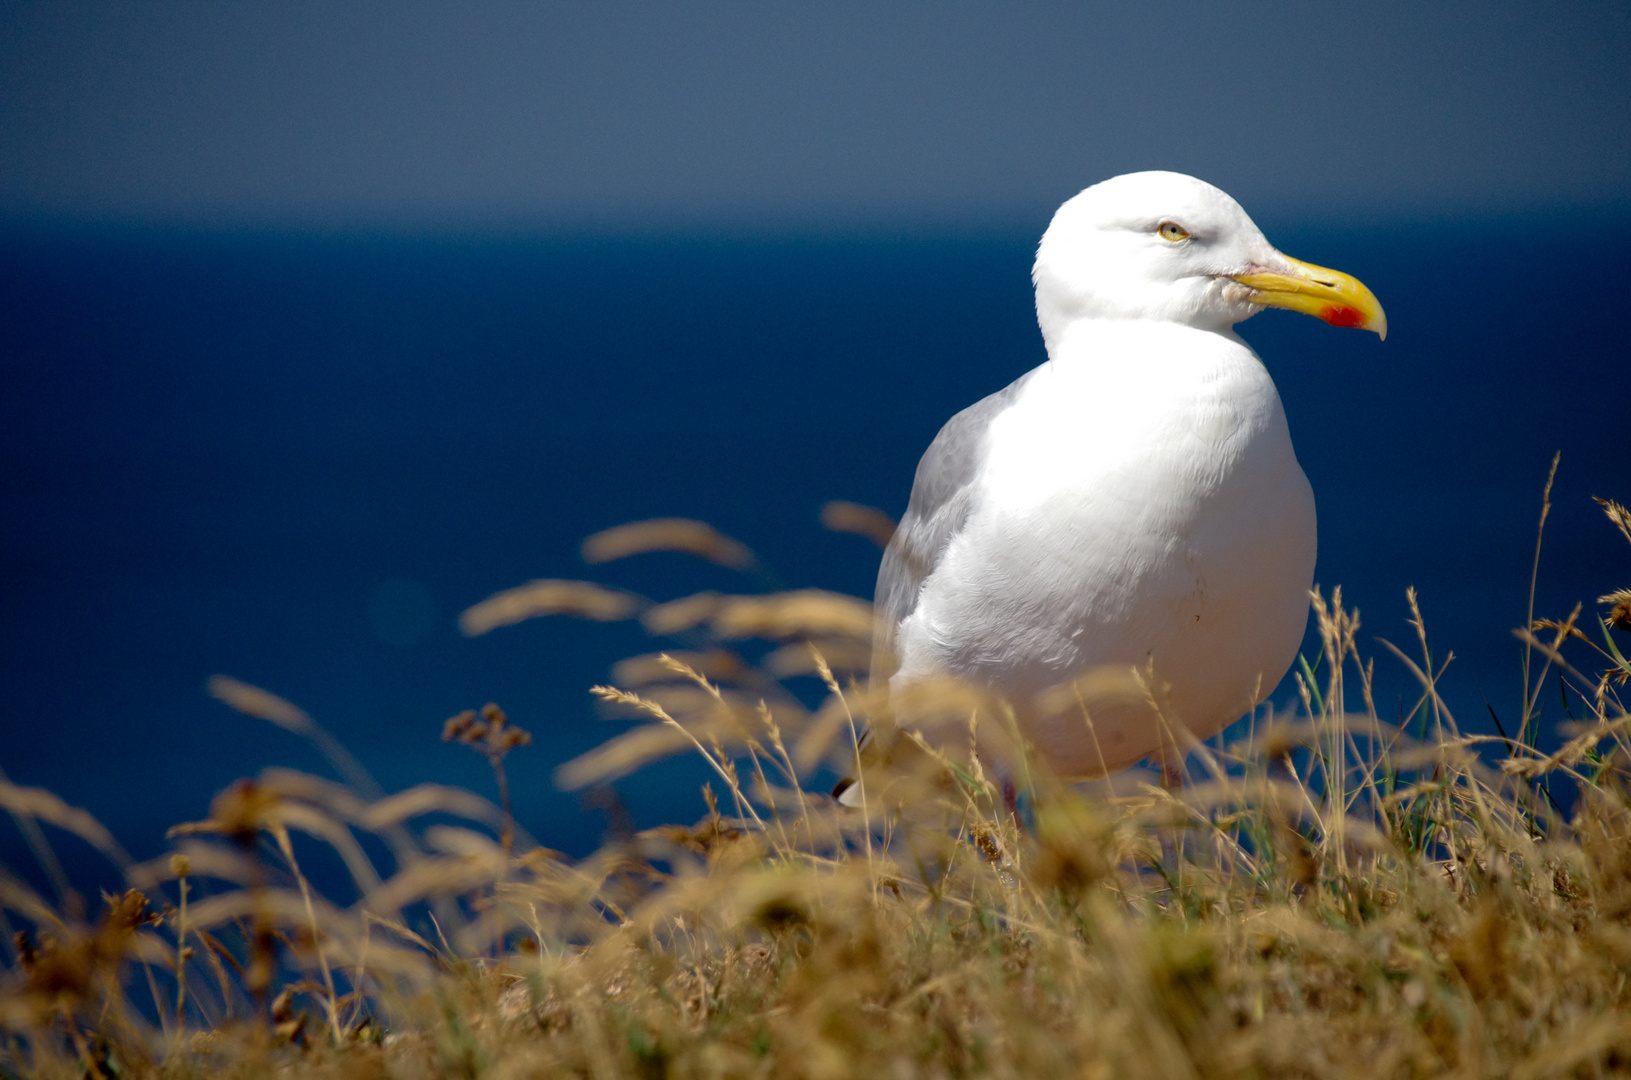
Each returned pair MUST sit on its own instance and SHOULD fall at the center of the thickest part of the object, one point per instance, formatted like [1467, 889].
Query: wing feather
[941, 501]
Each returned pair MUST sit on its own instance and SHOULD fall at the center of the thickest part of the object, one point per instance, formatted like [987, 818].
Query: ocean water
[295, 459]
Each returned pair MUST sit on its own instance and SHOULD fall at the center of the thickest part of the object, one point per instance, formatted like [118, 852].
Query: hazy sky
[811, 113]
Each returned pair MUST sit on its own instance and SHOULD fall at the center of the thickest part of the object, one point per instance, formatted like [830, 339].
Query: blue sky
[547, 115]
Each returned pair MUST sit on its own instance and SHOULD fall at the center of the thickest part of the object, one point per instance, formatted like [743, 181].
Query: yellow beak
[1325, 294]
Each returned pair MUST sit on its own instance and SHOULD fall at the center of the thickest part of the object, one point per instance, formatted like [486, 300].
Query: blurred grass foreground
[1326, 895]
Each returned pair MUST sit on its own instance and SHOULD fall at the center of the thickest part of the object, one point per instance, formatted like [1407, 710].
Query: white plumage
[1135, 501]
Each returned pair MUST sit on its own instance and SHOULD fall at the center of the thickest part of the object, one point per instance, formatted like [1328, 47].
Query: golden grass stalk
[548, 597]
[265, 705]
[867, 521]
[669, 534]
[805, 613]
[43, 805]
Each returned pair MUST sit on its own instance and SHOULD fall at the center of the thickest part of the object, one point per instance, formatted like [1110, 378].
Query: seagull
[1132, 504]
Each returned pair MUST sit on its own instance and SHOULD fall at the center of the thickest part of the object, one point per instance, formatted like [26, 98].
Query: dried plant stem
[506, 834]
[657, 712]
[181, 958]
[737, 795]
[1530, 692]
[331, 1003]
[788, 771]
[855, 743]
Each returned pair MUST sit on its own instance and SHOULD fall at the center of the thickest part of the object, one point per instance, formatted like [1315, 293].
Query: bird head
[1168, 247]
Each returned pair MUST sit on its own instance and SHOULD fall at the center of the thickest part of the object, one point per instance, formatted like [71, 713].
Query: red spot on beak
[1339, 315]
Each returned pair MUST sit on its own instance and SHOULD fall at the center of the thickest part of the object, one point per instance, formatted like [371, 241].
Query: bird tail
[848, 791]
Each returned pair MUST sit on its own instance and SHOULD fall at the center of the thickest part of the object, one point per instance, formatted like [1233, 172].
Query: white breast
[1138, 504]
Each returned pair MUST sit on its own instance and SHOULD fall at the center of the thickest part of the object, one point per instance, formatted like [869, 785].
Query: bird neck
[1135, 338]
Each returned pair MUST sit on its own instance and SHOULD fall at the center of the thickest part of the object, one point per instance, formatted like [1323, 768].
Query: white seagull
[1132, 503]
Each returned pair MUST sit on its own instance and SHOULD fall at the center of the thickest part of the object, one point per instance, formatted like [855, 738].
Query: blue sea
[295, 458]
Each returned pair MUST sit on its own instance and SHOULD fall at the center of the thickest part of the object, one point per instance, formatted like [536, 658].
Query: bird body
[1135, 502]
[1138, 497]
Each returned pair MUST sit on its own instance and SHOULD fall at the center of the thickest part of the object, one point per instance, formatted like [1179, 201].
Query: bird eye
[1171, 230]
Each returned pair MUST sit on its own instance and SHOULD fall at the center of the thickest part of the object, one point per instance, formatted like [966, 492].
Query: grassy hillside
[1323, 895]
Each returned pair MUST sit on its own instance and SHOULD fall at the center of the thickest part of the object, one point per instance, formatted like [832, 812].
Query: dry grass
[1329, 896]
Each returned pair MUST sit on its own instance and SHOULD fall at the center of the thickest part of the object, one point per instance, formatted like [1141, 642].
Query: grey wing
[941, 500]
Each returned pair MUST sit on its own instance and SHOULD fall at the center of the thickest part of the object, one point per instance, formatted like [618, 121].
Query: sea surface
[295, 458]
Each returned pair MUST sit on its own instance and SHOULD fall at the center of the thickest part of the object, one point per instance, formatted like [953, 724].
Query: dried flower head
[1619, 612]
